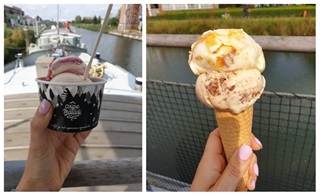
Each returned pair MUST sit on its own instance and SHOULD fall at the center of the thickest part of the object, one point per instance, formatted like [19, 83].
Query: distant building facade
[154, 9]
[130, 17]
[13, 16]
[29, 20]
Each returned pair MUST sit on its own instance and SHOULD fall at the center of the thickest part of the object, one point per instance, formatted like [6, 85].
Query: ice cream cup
[76, 105]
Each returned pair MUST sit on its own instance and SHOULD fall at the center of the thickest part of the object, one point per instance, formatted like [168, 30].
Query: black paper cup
[76, 105]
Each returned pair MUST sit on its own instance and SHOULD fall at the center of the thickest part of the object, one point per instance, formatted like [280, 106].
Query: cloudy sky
[67, 11]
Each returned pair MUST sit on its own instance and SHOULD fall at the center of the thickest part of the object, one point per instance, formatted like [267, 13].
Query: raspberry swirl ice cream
[67, 69]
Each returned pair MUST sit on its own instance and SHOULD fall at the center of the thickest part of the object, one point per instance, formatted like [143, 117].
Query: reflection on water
[124, 52]
[285, 72]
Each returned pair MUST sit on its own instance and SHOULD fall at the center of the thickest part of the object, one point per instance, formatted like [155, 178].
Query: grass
[93, 27]
[282, 26]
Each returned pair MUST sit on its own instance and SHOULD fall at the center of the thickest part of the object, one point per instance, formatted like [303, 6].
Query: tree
[113, 21]
[95, 20]
[78, 19]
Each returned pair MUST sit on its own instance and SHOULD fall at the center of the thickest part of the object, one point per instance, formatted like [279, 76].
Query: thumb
[41, 119]
[236, 168]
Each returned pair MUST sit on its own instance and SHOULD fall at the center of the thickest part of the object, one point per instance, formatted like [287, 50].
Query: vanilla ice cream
[225, 50]
[229, 64]
[69, 78]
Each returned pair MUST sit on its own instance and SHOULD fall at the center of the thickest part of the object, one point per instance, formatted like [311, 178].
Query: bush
[253, 26]
[14, 42]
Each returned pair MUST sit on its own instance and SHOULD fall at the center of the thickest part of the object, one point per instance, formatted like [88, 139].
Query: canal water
[124, 52]
[285, 71]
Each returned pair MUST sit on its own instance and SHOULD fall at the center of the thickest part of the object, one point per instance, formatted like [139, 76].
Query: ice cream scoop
[229, 64]
[67, 69]
[233, 91]
[225, 50]
[69, 78]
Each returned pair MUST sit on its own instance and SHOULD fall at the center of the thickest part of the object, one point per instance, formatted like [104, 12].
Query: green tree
[95, 20]
[7, 31]
[78, 19]
[113, 21]
[14, 42]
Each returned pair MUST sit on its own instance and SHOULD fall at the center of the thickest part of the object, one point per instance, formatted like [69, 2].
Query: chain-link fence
[178, 126]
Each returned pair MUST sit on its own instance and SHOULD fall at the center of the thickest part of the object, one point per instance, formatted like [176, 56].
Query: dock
[137, 35]
[116, 141]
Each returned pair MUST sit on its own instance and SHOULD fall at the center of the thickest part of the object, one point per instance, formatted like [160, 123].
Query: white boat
[119, 132]
[54, 43]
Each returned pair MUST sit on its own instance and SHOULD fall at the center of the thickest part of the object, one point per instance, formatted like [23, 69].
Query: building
[13, 16]
[130, 17]
[154, 9]
[29, 20]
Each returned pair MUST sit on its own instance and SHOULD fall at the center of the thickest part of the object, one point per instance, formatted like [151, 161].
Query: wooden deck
[117, 136]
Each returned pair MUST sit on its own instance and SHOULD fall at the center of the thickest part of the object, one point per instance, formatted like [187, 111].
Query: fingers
[255, 143]
[236, 168]
[81, 136]
[41, 119]
[253, 173]
[211, 164]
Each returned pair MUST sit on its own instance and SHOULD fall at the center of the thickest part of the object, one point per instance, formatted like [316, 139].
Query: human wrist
[31, 185]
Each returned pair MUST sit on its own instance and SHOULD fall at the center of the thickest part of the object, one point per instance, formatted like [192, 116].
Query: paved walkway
[129, 34]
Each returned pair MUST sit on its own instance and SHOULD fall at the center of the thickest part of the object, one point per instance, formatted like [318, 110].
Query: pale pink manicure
[256, 169]
[244, 152]
[253, 184]
[44, 106]
[258, 141]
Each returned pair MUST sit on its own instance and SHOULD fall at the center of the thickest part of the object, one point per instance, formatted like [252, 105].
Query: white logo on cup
[72, 111]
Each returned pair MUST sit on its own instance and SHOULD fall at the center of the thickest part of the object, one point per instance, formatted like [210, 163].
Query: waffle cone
[235, 130]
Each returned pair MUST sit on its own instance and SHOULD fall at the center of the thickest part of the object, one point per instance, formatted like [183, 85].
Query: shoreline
[268, 43]
[134, 35]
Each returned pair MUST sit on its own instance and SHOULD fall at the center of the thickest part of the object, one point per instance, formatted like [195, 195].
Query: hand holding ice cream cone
[229, 64]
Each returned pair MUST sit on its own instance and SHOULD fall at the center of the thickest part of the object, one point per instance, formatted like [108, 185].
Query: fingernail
[256, 169]
[44, 106]
[244, 152]
[258, 141]
[253, 184]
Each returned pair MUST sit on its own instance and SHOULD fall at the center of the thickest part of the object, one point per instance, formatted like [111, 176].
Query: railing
[271, 43]
[178, 126]
[85, 173]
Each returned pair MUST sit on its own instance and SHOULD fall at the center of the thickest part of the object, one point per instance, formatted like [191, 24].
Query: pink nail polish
[258, 141]
[244, 152]
[44, 106]
[256, 169]
[253, 184]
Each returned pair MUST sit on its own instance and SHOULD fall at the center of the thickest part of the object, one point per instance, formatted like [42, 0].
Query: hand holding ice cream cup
[229, 63]
[76, 100]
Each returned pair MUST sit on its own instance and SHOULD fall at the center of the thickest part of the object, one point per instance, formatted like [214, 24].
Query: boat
[117, 137]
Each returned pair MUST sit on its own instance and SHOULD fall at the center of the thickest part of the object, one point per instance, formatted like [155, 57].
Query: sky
[67, 11]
